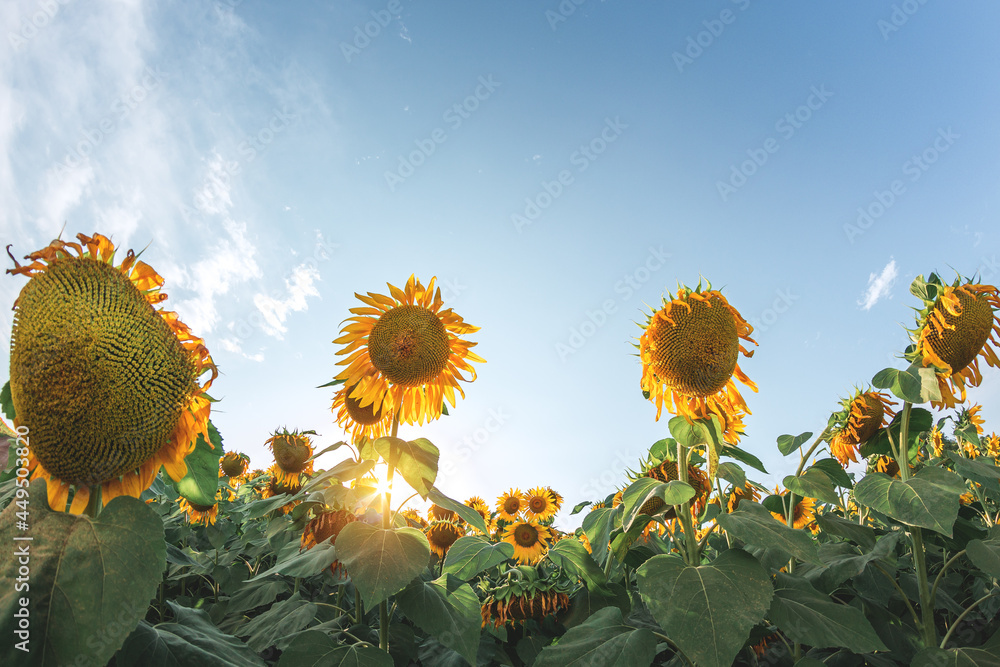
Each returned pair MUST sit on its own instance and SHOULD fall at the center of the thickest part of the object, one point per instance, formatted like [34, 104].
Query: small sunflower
[438, 513]
[803, 515]
[540, 503]
[478, 504]
[234, 465]
[363, 423]
[937, 442]
[884, 464]
[530, 540]
[413, 519]
[106, 383]
[510, 505]
[442, 534]
[955, 327]
[282, 484]
[203, 515]
[689, 350]
[405, 350]
[860, 418]
[748, 492]
[967, 498]
[292, 454]
[992, 444]
[667, 472]
[557, 499]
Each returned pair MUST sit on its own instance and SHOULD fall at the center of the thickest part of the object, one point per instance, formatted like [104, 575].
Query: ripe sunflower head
[515, 609]
[326, 526]
[199, 514]
[954, 329]
[540, 503]
[405, 350]
[860, 418]
[107, 384]
[510, 505]
[689, 350]
[282, 484]
[442, 534]
[292, 454]
[884, 464]
[234, 465]
[530, 540]
[363, 423]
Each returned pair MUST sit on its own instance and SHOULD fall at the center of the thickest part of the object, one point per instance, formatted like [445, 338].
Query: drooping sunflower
[689, 350]
[413, 519]
[540, 505]
[667, 472]
[234, 465]
[281, 485]
[860, 418]
[292, 454]
[442, 534]
[803, 515]
[515, 609]
[748, 492]
[326, 526]
[954, 328]
[884, 464]
[404, 350]
[438, 513]
[510, 505]
[530, 540]
[107, 384]
[363, 423]
[203, 515]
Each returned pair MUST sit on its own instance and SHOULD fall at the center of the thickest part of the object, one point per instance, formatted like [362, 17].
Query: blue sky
[556, 166]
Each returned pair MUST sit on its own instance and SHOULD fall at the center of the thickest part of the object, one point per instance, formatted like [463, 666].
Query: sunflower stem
[94, 504]
[359, 607]
[962, 617]
[684, 513]
[383, 606]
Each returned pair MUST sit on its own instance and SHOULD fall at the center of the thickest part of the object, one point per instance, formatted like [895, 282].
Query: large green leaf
[446, 608]
[981, 656]
[917, 384]
[834, 471]
[416, 461]
[574, 558]
[812, 618]
[789, 443]
[381, 562]
[603, 639]
[304, 563]
[350, 469]
[843, 562]
[597, 526]
[91, 579]
[743, 456]
[471, 554]
[470, 515]
[6, 402]
[708, 432]
[812, 483]
[733, 474]
[978, 470]
[707, 611]
[756, 526]
[929, 499]
[192, 640]
[985, 555]
[313, 648]
[282, 619]
[645, 489]
[849, 530]
[202, 479]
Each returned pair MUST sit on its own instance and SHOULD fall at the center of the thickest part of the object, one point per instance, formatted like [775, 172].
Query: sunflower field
[133, 536]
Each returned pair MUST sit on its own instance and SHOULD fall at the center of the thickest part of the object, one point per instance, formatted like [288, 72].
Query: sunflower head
[530, 539]
[884, 464]
[955, 327]
[478, 504]
[234, 465]
[292, 452]
[413, 519]
[203, 515]
[325, 526]
[442, 534]
[438, 513]
[667, 472]
[860, 418]
[107, 384]
[748, 492]
[689, 350]
[803, 515]
[405, 350]
[515, 609]
[366, 422]
[282, 484]
[510, 505]
[540, 504]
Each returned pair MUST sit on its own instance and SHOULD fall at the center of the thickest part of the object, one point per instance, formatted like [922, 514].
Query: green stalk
[94, 504]
[383, 606]
[684, 513]
[965, 613]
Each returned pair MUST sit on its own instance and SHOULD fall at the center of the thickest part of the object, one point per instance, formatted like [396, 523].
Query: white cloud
[233, 345]
[275, 311]
[879, 285]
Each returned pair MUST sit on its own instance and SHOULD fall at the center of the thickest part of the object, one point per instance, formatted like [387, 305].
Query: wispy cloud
[879, 285]
[275, 311]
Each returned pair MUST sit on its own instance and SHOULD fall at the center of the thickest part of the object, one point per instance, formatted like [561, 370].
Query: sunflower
[442, 534]
[292, 454]
[413, 519]
[199, 514]
[540, 503]
[510, 505]
[937, 442]
[405, 351]
[689, 350]
[234, 465]
[530, 540]
[582, 536]
[748, 491]
[363, 423]
[107, 384]
[802, 516]
[478, 504]
[439, 513]
[967, 498]
[955, 327]
[326, 526]
[516, 609]
[885, 464]
[972, 416]
[860, 418]
[993, 445]
[282, 485]
[667, 472]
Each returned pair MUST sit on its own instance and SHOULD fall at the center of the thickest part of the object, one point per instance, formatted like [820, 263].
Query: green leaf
[597, 526]
[733, 474]
[202, 479]
[956, 657]
[916, 384]
[256, 595]
[470, 555]
[259, 508]
[573, 557]
[381, 562]
[985, 555]
[929, 499]
[812, 483]
[707, 611]
[192, 640]
[742, 456]
[663, 450]
[446, 608]
[978, 470]
[303, 564]
[603, 639]
[646, 488]
[282, 619]
[91, 579]
[314, 648]
[920, 421]
[843, 562]
[754, 525]
[789, 443]
[849, 530]
[334, 447]
[580, 506]
[835, 472]
[810, 617]
[416, 461]
[7, 402]
[470, 515]
[691, 433]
